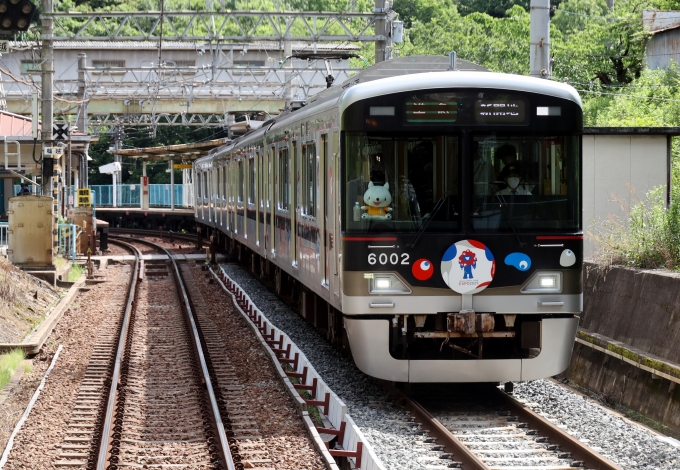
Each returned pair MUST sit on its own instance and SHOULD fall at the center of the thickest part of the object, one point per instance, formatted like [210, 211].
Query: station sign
[84, 197]
[183, 166]
[53, 152]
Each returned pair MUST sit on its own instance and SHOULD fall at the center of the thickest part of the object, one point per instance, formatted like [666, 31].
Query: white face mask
[513, 182]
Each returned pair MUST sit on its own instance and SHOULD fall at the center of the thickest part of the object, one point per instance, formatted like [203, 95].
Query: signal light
[16, 15]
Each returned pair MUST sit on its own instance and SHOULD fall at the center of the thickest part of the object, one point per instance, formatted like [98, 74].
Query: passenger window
[309, 179]
[240, 180]
[251, 181]
[284, 180]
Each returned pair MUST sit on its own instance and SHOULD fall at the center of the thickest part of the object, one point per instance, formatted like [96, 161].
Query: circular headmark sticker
[468, 267]
[422, 269]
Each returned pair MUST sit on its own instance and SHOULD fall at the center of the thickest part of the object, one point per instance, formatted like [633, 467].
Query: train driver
[508, 155]
[513, 181]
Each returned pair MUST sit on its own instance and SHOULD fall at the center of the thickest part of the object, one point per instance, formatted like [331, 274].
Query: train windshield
[402, 183]
[525, 183]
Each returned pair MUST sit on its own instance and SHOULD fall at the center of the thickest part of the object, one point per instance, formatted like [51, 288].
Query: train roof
[414, 73]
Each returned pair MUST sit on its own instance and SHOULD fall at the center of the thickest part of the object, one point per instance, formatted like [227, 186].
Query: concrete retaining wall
[641, 309]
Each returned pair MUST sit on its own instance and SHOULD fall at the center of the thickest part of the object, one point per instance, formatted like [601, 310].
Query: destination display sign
[494, 111]
[431, 110]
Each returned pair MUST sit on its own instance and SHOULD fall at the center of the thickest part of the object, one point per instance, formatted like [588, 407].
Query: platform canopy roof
[185, 152]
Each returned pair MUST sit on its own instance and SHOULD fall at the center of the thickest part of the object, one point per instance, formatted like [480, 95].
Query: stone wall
[642, 309]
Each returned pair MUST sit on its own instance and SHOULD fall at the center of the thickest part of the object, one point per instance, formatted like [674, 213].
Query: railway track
[148, 398]
[479, 427]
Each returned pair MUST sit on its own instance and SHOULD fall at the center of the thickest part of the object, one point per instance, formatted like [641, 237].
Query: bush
[649, 238]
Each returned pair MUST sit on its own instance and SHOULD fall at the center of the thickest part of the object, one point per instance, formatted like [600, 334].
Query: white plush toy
[377, 198]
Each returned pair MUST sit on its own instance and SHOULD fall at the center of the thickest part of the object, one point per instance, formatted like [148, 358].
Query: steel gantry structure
[193, 68]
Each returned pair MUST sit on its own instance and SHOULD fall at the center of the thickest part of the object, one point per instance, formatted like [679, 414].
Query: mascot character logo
[467, 261]
[468, 266]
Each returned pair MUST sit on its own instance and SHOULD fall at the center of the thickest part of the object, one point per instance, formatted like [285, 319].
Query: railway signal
[15, 15]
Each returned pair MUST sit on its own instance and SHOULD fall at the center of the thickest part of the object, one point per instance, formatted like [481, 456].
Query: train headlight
[386, 283]
[544, 282]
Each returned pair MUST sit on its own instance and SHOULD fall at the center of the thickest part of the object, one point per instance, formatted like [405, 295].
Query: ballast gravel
[629, 445]
[398, 442]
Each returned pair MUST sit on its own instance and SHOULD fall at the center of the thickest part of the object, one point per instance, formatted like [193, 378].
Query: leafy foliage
[132, 170]
[648, 238]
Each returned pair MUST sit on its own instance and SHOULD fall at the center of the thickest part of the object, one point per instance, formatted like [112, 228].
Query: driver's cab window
[527, 182]
[401, 184]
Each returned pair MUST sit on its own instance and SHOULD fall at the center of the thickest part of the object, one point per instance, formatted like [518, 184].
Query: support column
[288, 76]
[82, 94]
[172, 184]
[144, 187]
[539, 42]
[47, 68]
[383, 48]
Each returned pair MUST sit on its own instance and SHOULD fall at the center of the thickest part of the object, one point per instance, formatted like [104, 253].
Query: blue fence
[130, 194]
[68, 234]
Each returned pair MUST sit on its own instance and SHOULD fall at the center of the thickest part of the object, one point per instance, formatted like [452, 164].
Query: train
[426, 216]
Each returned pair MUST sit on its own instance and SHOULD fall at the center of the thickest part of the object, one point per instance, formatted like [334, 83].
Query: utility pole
[383, 49]
[81, 123]
[287, 76]
[47, 70]
[117, 175]
[539, 41]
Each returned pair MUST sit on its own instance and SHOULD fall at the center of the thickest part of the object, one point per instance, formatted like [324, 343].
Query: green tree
[495, 8]
[501, 44]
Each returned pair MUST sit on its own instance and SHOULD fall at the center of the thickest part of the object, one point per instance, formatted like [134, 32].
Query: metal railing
[129, 195]
[68, 234]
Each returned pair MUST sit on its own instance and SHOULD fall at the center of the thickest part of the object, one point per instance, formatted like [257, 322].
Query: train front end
[462, 245]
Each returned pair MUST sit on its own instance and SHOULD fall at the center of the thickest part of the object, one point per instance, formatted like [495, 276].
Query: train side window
[198, 185]
[241, 180]
[309, 180]
[251, 180]
[284, 180]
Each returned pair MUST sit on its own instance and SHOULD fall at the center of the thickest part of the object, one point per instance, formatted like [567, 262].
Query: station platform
[155, 218]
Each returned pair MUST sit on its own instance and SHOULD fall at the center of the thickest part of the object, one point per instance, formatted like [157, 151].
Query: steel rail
[567, 443]
[460, 453]
[104, 444]
[456, 448]
[224, 442]
[155, 233]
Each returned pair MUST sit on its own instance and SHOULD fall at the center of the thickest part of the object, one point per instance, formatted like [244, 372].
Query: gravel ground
[37, 444]
[629, 445]
[283, 433]
[397, 443]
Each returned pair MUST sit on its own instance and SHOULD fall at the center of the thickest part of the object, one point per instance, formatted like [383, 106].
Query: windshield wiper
[512, 225]
[438, 205]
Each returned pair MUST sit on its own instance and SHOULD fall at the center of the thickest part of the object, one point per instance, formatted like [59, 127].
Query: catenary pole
[539, 42]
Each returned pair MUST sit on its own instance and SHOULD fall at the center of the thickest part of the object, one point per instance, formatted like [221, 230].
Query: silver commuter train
[428, 218]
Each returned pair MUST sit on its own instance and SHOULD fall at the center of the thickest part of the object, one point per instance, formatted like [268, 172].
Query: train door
[295, 202]
[271, 204]
[224, 194]
[256, 192]
[323, 239]
[333, 225]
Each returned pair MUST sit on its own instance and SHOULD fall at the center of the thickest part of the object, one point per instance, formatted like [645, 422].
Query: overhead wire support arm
[229, 26]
